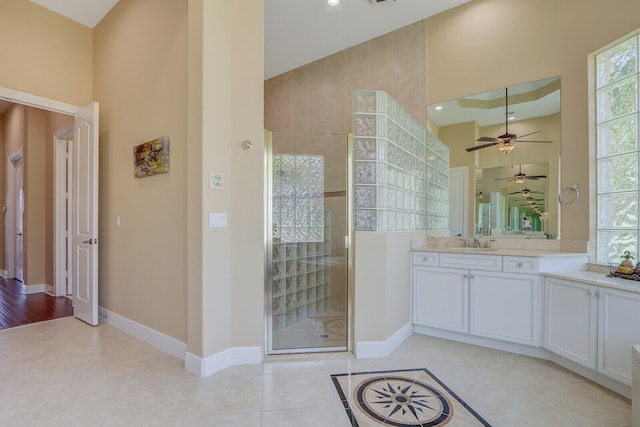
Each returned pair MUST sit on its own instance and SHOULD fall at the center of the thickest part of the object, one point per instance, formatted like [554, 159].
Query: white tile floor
[65, 373]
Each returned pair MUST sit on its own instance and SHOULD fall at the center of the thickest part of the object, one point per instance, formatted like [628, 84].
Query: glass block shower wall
[301, 239]
[401, 171]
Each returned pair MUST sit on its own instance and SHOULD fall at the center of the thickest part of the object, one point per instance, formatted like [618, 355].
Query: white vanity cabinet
[618, 332]
[570, 326]
[470, 294]
[449, 310]
[505, 306]
[591, 325]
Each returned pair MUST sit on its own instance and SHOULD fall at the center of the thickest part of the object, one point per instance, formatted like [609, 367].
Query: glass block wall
[298, 198]
[301, 239]
[401, 172]
[301, 279]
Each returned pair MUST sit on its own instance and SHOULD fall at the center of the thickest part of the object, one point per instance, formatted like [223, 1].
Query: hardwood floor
[18, 309]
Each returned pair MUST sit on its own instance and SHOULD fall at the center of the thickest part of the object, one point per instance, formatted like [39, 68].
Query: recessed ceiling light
[439, 107]
[333, 2]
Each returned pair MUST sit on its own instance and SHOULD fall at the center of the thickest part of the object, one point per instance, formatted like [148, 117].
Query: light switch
[216, 181]
[217, 219]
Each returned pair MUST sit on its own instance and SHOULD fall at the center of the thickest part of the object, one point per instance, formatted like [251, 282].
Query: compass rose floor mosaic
[402, 398]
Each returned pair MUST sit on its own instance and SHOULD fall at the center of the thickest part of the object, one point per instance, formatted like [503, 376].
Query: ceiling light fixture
[506, 146]
[333, 2]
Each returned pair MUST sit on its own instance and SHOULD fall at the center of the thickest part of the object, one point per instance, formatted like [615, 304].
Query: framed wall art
[151, 158]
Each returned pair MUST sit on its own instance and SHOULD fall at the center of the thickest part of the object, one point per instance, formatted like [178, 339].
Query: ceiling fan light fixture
[519, 179]
[526, 192]
[506, 147]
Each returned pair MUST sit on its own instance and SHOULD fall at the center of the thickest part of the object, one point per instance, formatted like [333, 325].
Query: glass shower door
[307, 278]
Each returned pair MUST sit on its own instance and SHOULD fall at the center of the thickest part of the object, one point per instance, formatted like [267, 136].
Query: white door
[19, 216]
[84, 206]
[458, 194]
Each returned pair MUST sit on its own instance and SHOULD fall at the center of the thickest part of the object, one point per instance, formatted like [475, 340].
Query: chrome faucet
[487, 244]
[465, 243]
[476, 242]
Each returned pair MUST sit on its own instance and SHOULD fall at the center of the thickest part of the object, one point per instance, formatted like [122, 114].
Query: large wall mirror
[509, 139]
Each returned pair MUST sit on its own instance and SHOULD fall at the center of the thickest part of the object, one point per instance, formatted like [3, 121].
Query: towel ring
[575, 189]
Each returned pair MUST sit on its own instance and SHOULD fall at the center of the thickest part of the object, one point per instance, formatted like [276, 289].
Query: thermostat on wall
[216, 181]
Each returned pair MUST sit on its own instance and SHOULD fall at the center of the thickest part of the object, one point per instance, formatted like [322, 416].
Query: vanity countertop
[499, 251]
[597, 279]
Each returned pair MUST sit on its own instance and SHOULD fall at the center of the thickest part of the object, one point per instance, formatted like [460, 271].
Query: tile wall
[401, 171]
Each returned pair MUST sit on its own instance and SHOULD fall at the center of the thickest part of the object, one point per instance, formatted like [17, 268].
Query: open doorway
[54, 201]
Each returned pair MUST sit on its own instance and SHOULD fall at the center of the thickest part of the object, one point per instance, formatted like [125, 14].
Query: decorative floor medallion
[402, 398]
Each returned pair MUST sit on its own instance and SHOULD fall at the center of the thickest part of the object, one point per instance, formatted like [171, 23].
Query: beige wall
[35, 42]
[226, 279]
[140, 82]
[530, 41]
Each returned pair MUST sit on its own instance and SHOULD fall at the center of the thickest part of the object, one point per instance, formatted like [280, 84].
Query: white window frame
[593, 147]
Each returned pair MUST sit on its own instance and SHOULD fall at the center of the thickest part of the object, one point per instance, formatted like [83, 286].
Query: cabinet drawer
[429, 259]
[471, 261]
[520, 264]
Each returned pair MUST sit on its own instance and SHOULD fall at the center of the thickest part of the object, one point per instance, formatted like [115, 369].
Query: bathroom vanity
[541, 303]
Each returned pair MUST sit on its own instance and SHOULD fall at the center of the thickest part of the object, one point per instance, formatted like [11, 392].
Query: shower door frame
[268, 245]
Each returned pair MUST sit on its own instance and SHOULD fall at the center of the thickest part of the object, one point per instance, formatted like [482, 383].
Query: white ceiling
[298, 31]
[86, 12]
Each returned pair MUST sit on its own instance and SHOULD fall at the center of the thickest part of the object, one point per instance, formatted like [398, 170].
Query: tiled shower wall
[401, 172]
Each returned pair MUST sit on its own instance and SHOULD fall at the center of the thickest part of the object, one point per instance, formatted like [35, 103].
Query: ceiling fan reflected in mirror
[520, 177]
[507, 141]
[526, 192]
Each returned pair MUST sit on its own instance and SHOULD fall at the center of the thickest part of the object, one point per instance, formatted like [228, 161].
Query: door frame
[42, 103]
[10, 215]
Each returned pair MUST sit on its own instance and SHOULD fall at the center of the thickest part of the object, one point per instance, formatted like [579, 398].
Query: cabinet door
[441, 298]
[618, 331]
[569, 326]
[505, 306]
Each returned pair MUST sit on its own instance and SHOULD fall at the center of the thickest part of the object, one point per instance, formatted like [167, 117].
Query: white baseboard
[32, 289]
[157, 339]
[4, 273]
[378, 349]
[203, 367]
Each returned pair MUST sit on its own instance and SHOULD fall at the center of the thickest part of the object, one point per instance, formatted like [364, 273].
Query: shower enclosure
[307, 286]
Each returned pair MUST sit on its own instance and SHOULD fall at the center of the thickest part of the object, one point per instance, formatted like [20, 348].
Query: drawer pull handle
[520, 264]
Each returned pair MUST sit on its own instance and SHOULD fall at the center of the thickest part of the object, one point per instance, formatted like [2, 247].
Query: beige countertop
[499, 251]
[597, 279]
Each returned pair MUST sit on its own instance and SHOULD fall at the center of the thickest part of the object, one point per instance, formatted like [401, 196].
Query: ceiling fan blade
[485, 138]
[527, 140]
[530, 133]
[534, 177]
[477, 147]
